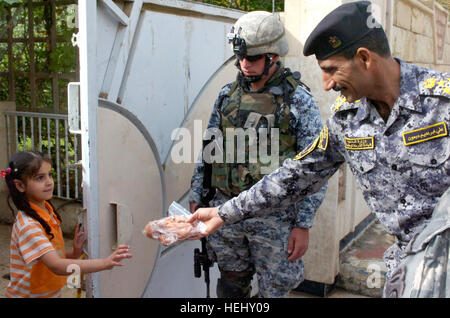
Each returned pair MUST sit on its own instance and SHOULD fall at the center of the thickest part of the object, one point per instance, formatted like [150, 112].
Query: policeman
[270, 100]
[390, 125]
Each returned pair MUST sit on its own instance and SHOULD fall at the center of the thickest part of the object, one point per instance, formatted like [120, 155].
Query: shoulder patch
[323, 138]
[307, 150]
[436, 84]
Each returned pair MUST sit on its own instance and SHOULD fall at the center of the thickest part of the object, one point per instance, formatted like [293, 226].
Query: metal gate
[146, 69]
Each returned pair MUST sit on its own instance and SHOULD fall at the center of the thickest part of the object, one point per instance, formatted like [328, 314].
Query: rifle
[201, 259]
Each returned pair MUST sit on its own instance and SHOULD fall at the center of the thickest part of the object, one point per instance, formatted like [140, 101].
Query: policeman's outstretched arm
[209, 216]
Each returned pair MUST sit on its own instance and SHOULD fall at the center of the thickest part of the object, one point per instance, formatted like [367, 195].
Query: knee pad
[234, 284]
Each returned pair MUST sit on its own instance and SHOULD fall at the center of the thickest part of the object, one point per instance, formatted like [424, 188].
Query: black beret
[339, 29]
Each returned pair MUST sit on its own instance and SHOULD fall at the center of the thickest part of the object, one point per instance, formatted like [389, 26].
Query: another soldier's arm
[307, 125]
[293, 181]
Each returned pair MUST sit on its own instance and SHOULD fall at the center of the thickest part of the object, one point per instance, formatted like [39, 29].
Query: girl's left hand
[78, 242]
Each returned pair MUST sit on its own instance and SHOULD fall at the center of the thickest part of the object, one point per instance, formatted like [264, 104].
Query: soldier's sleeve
[307, 123]
[296, 179]
[196, 191]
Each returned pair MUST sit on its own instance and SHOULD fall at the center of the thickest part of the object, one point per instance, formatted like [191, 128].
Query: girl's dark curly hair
[24, 165]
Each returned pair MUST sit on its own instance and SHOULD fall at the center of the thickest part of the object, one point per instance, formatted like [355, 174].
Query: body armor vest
[245, 113]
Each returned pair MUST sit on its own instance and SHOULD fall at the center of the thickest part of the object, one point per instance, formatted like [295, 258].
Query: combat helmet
[258, 32]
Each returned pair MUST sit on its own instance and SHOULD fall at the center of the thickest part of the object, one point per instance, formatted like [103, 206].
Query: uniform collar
[47, 215]
[409, 96]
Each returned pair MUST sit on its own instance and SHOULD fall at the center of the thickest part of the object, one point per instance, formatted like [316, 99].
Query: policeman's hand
[193, 206]
[298, 243]
[209, 216]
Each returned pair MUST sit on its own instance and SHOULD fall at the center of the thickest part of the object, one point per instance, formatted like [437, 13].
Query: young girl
[38, 263]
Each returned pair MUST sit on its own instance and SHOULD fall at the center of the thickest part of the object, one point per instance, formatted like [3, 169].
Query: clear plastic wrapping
[173, 228]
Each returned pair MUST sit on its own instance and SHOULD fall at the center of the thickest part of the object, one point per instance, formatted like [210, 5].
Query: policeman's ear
[364, 58]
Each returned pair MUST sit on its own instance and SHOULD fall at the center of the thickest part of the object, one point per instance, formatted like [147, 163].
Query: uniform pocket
[362, 163]
[430, 164]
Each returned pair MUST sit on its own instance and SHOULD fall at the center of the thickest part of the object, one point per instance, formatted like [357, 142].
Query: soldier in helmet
[390, 125]
[270, 99]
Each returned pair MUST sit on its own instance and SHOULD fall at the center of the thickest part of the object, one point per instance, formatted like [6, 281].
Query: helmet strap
[251, 79]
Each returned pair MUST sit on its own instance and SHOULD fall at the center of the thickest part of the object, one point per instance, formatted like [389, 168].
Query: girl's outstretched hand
[78, 241]
[121, 252]
[209, 216]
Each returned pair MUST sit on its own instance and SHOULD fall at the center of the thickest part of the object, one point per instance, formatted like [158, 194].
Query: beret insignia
[335, 42]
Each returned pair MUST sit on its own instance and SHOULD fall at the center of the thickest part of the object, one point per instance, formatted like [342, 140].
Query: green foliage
[60, 58]
[248, 5]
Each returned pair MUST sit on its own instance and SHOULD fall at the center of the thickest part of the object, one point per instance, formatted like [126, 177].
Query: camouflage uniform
[423, 272]
[402, 166]
[260, 244]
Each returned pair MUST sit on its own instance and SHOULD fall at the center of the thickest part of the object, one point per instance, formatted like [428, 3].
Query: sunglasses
[252, 58]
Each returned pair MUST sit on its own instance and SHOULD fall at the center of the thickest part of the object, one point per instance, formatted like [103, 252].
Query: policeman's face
[341, 74]
[253, 68]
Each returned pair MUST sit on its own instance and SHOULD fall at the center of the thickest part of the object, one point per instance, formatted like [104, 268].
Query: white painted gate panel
[147, 68]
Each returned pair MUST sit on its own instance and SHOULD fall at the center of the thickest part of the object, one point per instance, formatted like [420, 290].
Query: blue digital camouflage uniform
[402, 166]
[260, 244]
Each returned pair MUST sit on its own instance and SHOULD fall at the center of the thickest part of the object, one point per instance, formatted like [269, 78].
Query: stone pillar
[5, 213]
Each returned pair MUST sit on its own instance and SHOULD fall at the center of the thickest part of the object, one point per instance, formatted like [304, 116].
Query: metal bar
[24, 124]
[119, 57]
[36, 115]
[58, 164]
[32, 132]
[87, 13]
[40, 133]
[16, 120]
[66, 149]
[116, 12]
[49, 153]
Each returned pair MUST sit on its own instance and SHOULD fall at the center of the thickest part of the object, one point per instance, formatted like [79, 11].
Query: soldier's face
[253, 68]
[344, 76]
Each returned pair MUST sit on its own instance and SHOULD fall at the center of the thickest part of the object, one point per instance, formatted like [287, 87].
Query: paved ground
[362, 269]
[5, 232]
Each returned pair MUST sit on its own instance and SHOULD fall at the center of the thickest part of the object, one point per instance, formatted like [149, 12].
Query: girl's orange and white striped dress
[29, 276]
